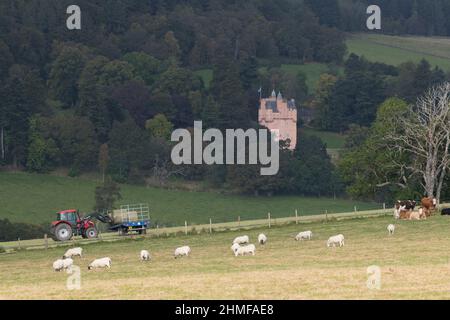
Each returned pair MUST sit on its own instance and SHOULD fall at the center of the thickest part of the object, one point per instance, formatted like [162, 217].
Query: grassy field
[35, 198]
[333, 140]
[414, 264]
[395, 50]
[312, 71]
[206, 75]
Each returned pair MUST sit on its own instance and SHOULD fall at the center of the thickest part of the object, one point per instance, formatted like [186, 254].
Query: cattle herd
[404, 210]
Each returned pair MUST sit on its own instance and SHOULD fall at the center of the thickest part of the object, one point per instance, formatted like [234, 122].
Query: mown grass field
[414, 264]
[333, 140]
[312, 71]
[395, 50]
[35, 198]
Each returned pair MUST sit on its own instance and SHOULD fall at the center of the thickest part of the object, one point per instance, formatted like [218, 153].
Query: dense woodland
[107, 97]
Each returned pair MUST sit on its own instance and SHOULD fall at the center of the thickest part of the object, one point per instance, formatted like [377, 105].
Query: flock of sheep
[66, 263]
[241, 246]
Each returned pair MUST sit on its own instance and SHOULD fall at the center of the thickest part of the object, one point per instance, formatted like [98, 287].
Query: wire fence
[155, 231]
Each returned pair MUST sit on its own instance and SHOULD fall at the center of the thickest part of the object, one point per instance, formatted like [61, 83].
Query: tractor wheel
[91, 233]
[63, 232]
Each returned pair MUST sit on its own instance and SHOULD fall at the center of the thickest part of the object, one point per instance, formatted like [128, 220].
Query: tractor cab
[70, 216]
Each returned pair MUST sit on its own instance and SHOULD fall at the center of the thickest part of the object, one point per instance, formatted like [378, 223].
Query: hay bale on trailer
[121, 215]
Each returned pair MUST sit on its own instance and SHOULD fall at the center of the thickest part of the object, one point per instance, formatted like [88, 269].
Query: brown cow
[429, 204]
[423, 213]
[405, 214]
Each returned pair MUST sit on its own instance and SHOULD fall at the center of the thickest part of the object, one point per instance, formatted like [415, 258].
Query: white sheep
[391, 229]
[145, 255]
[335, 241]
[58, 265]
[241, 240]
[182, 251]
[235, 246]
[73, 253]
[248, 249]
[100, 263]
[262, 239]
[63, 264]
[305, 235]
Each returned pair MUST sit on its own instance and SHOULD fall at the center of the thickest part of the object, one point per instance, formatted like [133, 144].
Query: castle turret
[280, 116]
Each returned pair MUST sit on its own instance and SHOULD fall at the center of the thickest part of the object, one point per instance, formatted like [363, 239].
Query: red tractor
[69, 223]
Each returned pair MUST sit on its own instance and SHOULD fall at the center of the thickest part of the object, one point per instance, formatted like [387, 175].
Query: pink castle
[280, 116]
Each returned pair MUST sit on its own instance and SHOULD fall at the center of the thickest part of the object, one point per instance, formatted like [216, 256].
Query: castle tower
[280, 116]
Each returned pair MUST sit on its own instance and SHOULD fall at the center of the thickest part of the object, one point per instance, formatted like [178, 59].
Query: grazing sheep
[145, 255]
[73, 253]
[241, 240]
[58, 265]
[262, 239]
[182, 251]
[68, 263]
[63, 264]
[391, 229]
[235, 246]
[305, 235]
[248, 249]
[335, 241]
[100, 263]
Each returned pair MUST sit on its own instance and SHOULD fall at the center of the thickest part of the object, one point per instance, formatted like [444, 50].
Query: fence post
[355, 209]
[46, 241]
[268, 215]
[157, 230]
[20, 247]
[185, 227]
[384, 206]
[239, 222]
[326, 215]
[210, 225]
[296, 216]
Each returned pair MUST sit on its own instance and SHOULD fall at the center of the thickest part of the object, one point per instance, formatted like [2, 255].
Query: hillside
[395, 50]
[35, 198]
[412, 264]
